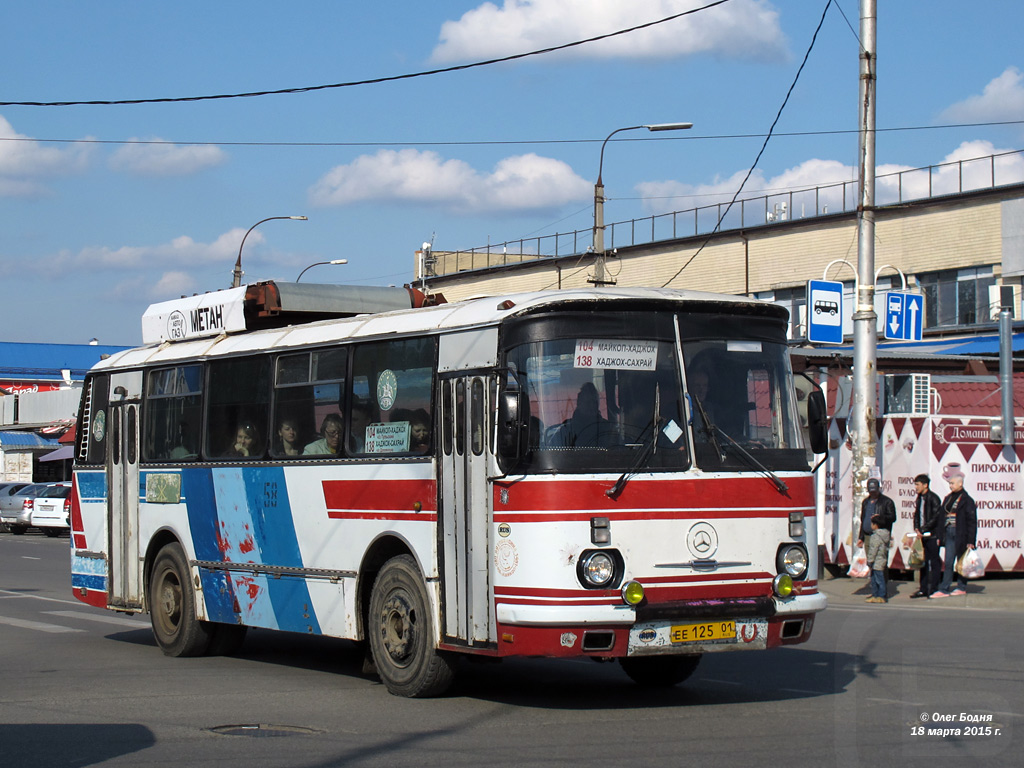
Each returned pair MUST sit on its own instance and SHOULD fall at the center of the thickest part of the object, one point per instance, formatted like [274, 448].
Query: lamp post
[237, 274]
[317, 264]
[598, 244]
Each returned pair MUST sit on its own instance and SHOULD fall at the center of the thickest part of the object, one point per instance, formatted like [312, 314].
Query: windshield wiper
[646, 450]
[708, 429]
[780, 486]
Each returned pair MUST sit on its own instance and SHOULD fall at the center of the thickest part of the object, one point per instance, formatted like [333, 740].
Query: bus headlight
[782, 585]
[792, 560]
[632, 593]
[597, 568]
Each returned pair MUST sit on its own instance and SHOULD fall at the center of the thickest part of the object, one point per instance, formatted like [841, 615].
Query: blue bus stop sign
[824, 312]
[904, 316]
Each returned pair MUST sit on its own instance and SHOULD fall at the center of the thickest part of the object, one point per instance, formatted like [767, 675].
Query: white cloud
[180, 252]
[743, 28]
[24, 162]
[967, 167]
[154, 157]
[1002, 99]
[520, 183]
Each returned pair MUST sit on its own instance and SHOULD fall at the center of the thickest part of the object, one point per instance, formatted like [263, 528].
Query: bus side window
[238, 404]
[173, 409]
[390, 408]
[309, 388]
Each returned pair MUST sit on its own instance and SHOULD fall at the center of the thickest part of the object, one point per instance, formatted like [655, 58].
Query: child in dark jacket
[878, 557]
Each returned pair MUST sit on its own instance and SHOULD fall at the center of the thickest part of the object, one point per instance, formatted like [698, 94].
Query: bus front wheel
[401, 633]
[172, 606]
[659, 671]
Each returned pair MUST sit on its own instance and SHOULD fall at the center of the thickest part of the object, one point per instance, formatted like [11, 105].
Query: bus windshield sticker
[388, 438]
[743, 346]
[387, 389]
[672, 430]
[619, 354]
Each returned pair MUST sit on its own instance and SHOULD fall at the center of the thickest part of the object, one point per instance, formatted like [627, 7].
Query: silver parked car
[16, 509]
[51, 509]
[6, 489]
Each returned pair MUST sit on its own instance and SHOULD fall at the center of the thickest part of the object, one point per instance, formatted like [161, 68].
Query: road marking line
[26, 557]
[100, 618]
[9, 593]
[37, 625]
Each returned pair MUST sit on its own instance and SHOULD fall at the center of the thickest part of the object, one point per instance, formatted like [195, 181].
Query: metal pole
[236, 273]
[598, 238]
[865, 321]
[1006, 364]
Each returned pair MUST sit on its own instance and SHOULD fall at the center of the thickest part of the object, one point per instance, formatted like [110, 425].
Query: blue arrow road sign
[904, 316]
[824, 312]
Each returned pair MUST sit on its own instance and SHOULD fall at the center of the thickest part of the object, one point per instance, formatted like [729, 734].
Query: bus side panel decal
[197, 489]
[276, 541]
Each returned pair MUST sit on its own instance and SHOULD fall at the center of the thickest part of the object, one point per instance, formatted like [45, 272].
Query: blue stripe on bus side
[89, 581]
[274, 530]
[197, 488]
[92, 486]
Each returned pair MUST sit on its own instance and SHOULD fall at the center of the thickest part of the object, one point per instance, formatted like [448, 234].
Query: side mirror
[817, 421]
[510, 426]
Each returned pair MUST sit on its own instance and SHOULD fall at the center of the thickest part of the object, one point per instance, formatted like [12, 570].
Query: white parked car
[51, 509]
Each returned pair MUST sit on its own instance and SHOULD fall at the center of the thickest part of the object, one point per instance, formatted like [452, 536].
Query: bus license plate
[695, 633]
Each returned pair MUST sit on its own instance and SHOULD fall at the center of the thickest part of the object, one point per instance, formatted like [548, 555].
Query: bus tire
[659, 671]
[172, 606]
[401, 633]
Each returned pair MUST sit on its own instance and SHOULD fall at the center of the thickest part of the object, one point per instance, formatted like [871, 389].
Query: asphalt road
[81, 686]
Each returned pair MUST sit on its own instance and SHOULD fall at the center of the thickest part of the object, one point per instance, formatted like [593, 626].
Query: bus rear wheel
[172, 606]
[659, 671]
[401, 633]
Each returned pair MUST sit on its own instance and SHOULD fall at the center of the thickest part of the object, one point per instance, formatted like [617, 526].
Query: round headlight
[597, 569]
[782, 585]
[792, 560]
[632, 593]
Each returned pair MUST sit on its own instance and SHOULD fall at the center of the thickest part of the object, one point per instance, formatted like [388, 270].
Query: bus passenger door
[125, 582]
[466, 510]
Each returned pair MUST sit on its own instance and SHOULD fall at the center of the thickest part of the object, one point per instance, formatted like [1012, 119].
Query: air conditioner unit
[907, 394]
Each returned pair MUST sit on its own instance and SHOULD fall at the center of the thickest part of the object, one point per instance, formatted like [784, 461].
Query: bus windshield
[603, 401]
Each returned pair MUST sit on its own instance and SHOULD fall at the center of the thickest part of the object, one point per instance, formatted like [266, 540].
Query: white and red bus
[615, 474]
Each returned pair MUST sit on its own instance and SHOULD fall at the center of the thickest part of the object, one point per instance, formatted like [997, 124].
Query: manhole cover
[263, 730]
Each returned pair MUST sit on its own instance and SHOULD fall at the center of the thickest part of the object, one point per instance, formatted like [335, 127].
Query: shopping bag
[916, 559]
[859, 566]
[908, 540]
[969, 565]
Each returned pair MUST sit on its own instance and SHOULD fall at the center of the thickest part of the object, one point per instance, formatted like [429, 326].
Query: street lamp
[237, 274]
[598, 244]
[336, 261]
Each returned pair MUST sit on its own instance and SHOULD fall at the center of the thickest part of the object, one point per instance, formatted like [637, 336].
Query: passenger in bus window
[184, 443]
[586, 428]
[330, 437]
[287, 443]
[246, 442]
[419, 431]
[360, 418]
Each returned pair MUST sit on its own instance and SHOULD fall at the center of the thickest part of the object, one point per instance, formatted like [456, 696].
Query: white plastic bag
[859, 568]
[970, 565]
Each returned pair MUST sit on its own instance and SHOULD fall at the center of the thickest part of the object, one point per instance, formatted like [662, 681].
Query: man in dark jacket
[929, 524]
[879, 504]
[961, 521]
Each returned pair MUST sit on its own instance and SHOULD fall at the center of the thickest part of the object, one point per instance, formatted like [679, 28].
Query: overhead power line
[371, 81]
[504, 142]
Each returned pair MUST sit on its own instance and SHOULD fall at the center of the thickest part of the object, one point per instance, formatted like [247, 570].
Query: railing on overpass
[931, 181]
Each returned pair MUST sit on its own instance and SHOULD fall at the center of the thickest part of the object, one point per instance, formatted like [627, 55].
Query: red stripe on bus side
[720, 493]
[380, 495]
[351, 514]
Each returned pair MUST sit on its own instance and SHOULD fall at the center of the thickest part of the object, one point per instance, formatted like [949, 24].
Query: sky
[106, 208]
